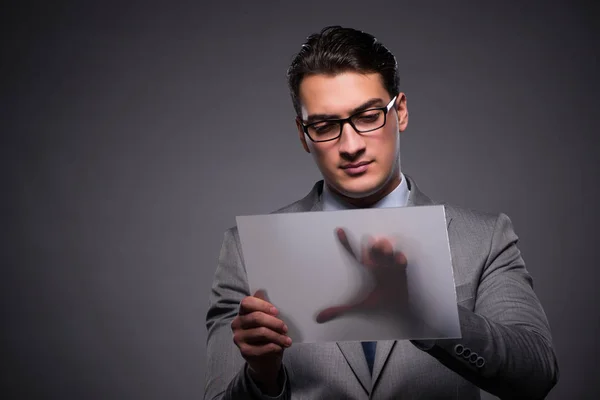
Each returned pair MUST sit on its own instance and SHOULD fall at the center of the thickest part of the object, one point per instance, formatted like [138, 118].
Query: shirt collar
[397, 198]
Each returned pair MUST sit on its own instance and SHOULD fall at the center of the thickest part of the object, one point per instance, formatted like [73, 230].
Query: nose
[351, 142]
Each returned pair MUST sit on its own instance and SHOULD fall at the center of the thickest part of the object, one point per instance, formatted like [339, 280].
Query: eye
[324, 127]
[371, 116]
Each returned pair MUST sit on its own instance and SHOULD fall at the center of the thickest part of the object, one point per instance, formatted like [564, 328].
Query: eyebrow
[366, 105]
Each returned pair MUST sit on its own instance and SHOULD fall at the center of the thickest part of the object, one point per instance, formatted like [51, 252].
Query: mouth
[358, 168]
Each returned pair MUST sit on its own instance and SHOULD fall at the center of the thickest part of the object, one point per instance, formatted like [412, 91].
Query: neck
[368, 201]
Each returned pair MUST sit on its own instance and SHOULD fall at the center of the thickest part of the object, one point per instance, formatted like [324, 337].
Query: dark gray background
[133, 134]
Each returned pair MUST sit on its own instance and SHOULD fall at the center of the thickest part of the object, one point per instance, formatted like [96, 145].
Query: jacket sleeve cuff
[424, 345]
[256, 392]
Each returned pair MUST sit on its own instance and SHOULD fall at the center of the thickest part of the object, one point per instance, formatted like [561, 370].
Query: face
[378, 152]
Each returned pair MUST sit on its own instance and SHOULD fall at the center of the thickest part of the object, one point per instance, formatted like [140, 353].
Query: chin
[360, 188]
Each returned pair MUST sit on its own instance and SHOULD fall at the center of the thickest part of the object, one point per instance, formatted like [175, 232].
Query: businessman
[344, 86]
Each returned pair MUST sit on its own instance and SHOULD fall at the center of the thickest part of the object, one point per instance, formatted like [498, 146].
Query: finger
[366, 256]
[376, 252]
[259, 319]
[332, 312]
[343, 239]
[383, 246]
[382, 252]
[251, 304]
[262, 335]
[249, 350]
[400, 259]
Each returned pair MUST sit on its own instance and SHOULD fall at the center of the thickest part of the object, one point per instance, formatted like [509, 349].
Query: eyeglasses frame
[342, 121]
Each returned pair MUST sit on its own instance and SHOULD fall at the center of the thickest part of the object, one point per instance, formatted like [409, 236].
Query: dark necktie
[369, 349]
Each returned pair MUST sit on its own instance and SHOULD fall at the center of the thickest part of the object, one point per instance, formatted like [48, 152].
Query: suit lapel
[318, 205]
[384, 349]
[354, 355]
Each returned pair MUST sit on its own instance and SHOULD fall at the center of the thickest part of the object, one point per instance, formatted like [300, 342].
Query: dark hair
[335, 50]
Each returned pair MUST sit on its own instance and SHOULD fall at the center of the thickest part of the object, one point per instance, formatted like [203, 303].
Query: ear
[402, 112]
[302, 135]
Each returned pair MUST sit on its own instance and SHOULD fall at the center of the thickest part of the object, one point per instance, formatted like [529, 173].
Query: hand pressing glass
[387, 267]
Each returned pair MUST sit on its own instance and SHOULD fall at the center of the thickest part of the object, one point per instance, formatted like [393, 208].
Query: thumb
[332, 312]
[261, 294]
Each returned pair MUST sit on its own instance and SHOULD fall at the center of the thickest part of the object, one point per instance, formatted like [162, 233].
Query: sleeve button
[480, 362]
[466, 353]
[458, 349]
[473, 358]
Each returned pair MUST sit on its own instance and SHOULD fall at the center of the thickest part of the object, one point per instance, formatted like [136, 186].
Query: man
[350, 113]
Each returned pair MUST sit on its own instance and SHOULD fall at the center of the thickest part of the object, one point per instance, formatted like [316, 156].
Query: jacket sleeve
[506, 345]
[226, 376]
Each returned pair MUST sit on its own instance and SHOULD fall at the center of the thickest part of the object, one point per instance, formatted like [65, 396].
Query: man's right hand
[261, 338]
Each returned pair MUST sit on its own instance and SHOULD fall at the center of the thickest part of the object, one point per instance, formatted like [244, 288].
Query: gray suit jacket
[505, 349]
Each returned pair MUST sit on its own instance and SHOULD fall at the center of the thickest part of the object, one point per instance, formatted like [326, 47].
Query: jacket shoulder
[478, 226]
[302, 205]
[471, 216]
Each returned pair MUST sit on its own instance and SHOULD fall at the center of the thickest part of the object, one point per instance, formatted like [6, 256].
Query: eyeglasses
[362, 122]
